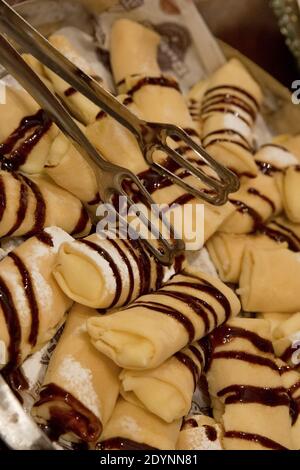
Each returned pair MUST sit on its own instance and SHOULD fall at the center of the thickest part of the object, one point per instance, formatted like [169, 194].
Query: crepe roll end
[126, 349]
[156, 395]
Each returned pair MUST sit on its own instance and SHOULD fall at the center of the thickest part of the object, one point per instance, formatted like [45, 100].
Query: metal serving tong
[150, 136]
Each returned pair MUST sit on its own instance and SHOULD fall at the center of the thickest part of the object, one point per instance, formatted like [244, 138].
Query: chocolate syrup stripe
[257, 438]
[245, 209]
[120, 443]
[221, 140]
[12, 158]
[143, 264]
[23, 204]
[156, 81]
[266, 199]
[246, 357]
[223, 110]
[286, 229]
[225, 334]
[233, 88]
[13, 326]
[40, 210]
[230, 100]
[129, 269]
[105, 255]
[267, 168]
[280, 237]
[82, 222]
[30, 295]
[207, 288]
[190, 364]
[169, 311]
[76, 418]
[45, 238]
[197, 354]
[250, 394]
[2, 197]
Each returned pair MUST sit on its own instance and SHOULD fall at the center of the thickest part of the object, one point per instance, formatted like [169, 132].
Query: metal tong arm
[34, 43]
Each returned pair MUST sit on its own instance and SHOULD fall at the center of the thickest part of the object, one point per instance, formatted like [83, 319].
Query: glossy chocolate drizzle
[243, 208]
[68, 414]
[30, 132]
[282, 234]
[120, 443]
[30, 295]
[233, 88]
[40, 210]
[257, 438]
[190, 364]
[156, 81]
[82, 222]
[210, 432]
[250, 394]
[265, 198]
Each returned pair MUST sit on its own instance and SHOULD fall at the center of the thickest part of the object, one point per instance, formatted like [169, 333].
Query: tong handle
[34, 43]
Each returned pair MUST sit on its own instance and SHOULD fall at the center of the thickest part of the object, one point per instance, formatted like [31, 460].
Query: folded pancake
[200, 432]
[229, 109]
[81, 386]
[167, 390]
[290, 193]
[286, 340]
[26, 133]
[153, 97]
[106, 273]
[227, 250]
[274, 318]
[127, 35]
[190, 305]
[257, 200]
[70, 170]
[29, 204]
[81, 107]
[245, 383]
[133, 428]
[32, 306]
[265, 276]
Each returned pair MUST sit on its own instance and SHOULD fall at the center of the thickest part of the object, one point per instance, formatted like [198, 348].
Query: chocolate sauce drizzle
[267, 168]
[233, 88]
[23, 203]
[190, 364]
[156, 81]
[250, 394]
[30, 295]
[245, 209]
[290, 237]
[255, 192]
[13, 326]
[210, 432]
[120, 443]
[37, 125]
[257, 438]
[82, 222]
[68, 414]
[40, 210]
[2, 197]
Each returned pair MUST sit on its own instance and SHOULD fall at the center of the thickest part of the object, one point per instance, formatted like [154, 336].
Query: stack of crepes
[138, 336]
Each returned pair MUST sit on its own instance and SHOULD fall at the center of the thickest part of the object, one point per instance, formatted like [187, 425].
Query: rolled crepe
[291, 380]
[26, 132]
[155, 98]
[265, 276]
[273, 157]
[133, 428]
[274, 318]
[69, 169]
[290, 193]
[229, 109]
[81, 385]
[200, 432]
[257, 200]
[227, 251]
[141, 60]
[286, 340]
[190, 305]
[30, 204]
[167, 390]
[32, 306]
[82, 108]
[246, 387]
[106, 273]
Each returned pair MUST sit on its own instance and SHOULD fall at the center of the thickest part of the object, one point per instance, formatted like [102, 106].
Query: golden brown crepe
[229, 108]
[269, 280]
[28, 204]
[81, 386]
[133, 428]
[32, 306]
[167, 390]
[189, 305]
[246, 387]
[105, 273]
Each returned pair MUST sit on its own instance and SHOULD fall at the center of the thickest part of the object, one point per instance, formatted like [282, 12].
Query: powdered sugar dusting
[198, 440]
[79, 381]
[130, 424]
[59, 236]
[42, 289]
[201, 261]
[19, 296]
